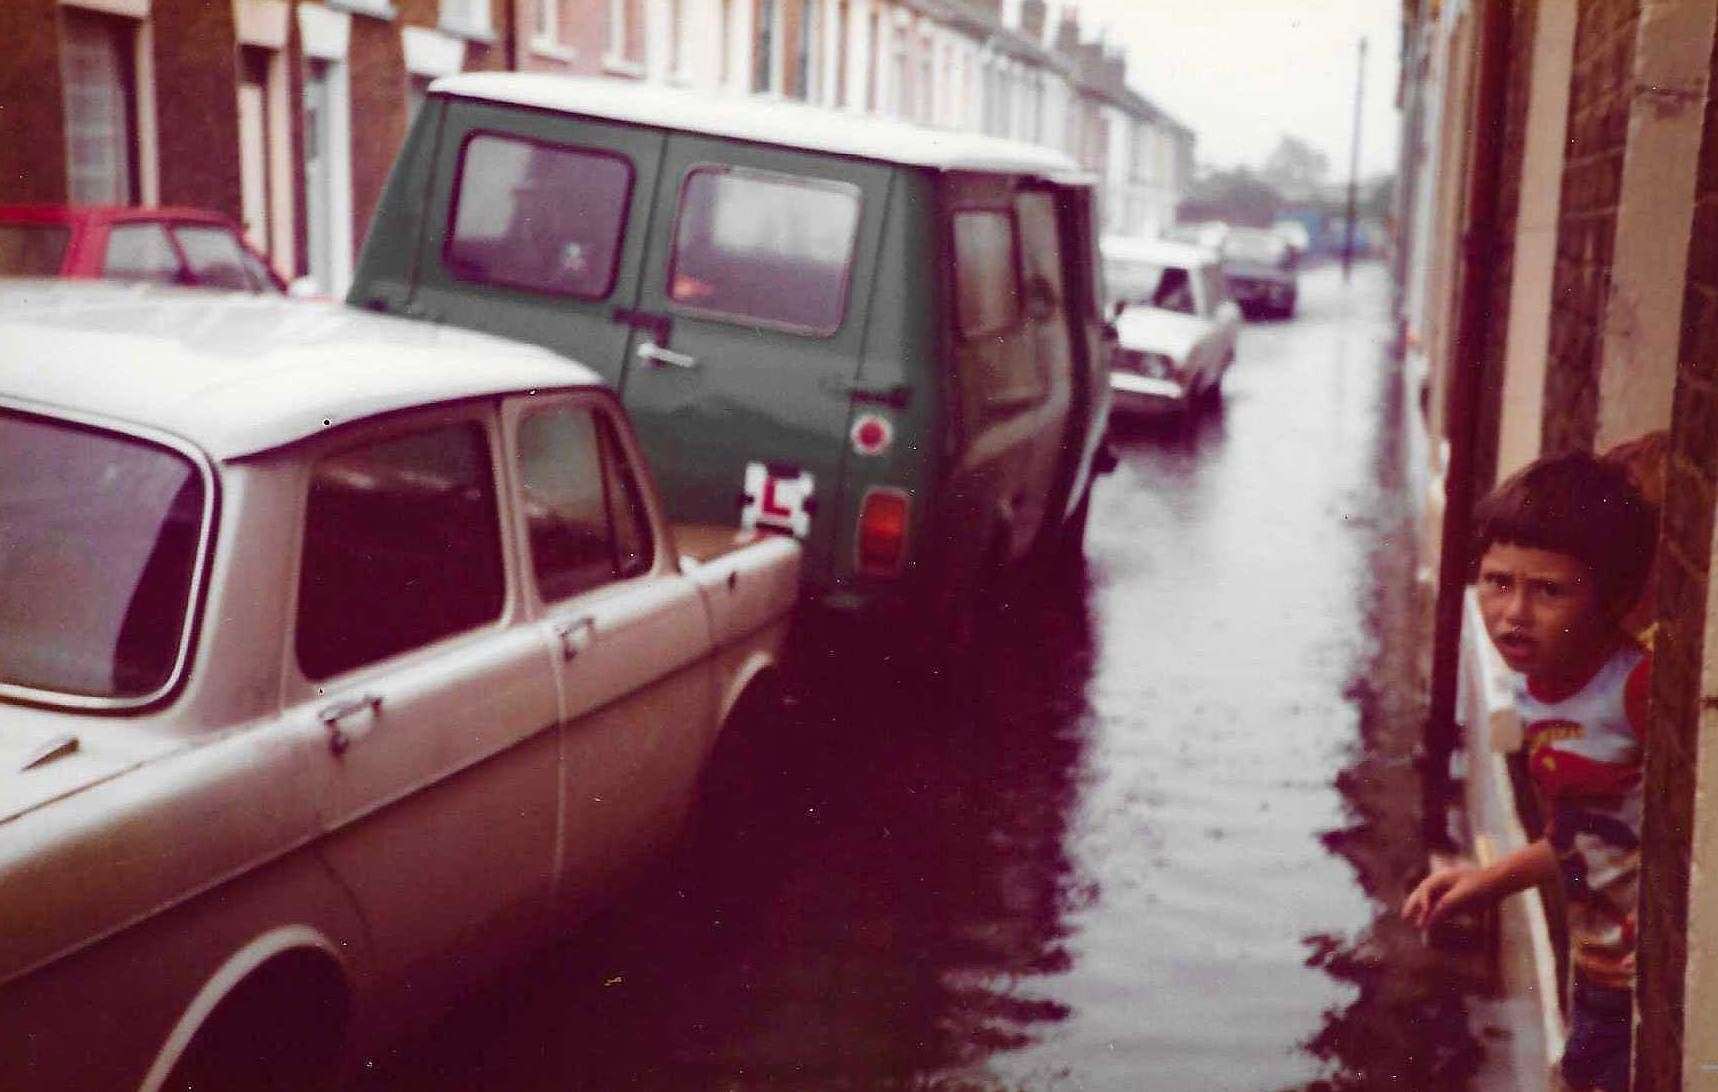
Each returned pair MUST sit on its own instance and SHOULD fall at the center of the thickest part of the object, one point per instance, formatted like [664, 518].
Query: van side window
[402, 546]
[538, 216]
[765, 248]
[582, 513]
[987, 272]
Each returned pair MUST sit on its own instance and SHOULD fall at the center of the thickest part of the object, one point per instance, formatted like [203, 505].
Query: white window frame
[147, 137]
[471, 19]
[325, 34]
[546, 33]
[375, 9]
[614, 58]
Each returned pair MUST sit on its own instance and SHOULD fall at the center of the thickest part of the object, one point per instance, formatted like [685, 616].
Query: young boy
[1564, 547]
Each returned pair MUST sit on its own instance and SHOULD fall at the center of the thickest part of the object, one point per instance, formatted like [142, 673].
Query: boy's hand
[1446, 891]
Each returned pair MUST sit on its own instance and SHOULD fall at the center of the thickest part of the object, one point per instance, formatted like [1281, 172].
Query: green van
[884, 339]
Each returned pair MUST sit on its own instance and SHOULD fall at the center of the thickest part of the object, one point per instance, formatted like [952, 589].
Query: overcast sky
[1243, 72]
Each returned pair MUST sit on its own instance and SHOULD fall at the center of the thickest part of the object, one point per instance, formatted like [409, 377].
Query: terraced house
[1558, 260]
[286, 114]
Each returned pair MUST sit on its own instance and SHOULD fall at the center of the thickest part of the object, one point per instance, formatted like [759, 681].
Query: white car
[1175, 326]
[342, 658]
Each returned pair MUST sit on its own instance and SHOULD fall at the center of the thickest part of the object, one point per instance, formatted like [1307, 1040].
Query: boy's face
[1543, 612]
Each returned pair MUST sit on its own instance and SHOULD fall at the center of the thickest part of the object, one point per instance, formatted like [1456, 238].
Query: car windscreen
[1255, 247]
[32, 250]
[99, 541]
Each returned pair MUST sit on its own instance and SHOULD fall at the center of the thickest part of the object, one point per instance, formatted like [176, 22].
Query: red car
[159, 245]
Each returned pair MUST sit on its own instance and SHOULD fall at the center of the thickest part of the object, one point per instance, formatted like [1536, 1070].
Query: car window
[1175, 291]
[141, 252]
[99, 537]
[260, 274]
[32, 250]
[987, 272]
[581, 511]
[402, 547]
[768, 248]
[632, 539]
[214, 255]
[539, 216]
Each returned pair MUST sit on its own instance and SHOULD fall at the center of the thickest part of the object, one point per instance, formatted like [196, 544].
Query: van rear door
[542, 219]
[757, 282]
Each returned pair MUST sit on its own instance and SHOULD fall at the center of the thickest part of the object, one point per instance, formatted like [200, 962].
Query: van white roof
[240, 374]
[764, 121]
[1156, 251]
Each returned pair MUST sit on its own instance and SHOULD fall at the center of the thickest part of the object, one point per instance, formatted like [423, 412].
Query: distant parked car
[1258, 267]
[1175, 325]
[167, 245]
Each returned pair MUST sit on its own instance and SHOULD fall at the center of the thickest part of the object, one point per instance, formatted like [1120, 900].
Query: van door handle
[349, 721]
[575, 636]
[656, 354]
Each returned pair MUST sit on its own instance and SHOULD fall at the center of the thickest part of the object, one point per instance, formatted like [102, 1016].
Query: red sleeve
[1637, 696]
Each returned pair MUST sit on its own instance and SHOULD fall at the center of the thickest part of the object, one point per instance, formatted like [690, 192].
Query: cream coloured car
[1176, 328]
[341, 658]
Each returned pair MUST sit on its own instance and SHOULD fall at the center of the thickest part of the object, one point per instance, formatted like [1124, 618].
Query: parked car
[341, 658]
[166, 245]
[1259, 269]
[1175, 327]
[883, 337]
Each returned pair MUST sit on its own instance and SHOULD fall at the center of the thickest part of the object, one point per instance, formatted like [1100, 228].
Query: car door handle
[349, 721]
[656, 354]
[575, 636]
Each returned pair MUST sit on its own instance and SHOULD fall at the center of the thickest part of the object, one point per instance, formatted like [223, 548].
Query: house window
[807, 54]
[626, 36]
[764, 45]
[466, 17]
[101, 108]
[843, 59]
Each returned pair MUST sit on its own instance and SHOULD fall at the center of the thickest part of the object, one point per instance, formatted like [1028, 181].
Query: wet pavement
[1162, 853]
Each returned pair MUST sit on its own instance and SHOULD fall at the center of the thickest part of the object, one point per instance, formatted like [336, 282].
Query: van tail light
[883, 532]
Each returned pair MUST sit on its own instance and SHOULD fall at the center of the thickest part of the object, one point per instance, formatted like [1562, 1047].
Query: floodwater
[1163, 852]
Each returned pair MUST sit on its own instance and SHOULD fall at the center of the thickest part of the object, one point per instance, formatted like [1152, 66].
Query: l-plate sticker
[777, 501]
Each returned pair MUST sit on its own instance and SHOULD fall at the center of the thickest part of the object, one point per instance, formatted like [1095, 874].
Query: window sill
[375, 9]
[471, 33]
[553, 50]
[619, 66]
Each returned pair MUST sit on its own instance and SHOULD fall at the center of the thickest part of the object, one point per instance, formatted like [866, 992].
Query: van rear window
[987, 272]
[763, 248]
[538, 216]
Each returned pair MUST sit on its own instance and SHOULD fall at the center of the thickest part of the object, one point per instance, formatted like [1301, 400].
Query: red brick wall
[197, 111]
[377, 58]
[32, 118]
[1600, 92]
[1684, 572]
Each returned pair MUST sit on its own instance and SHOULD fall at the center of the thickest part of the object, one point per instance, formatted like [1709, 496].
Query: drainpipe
[1473, 328]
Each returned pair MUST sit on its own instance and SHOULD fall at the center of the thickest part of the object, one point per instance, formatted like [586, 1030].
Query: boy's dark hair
[1580, 505]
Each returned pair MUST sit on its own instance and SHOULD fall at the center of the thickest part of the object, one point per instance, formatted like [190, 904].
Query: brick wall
[1600, 92]
[1684, 553]
[196, 72]
[32, 121]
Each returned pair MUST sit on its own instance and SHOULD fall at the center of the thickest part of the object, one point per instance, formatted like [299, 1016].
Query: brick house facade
[287, 114]
[1600, 328]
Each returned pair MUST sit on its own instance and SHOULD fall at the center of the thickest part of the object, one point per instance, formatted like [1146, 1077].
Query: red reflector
[883, 532]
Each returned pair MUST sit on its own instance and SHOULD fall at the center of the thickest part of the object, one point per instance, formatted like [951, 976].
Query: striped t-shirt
[1584, 754]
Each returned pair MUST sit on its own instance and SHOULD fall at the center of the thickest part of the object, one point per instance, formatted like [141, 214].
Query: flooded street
[1164, 853]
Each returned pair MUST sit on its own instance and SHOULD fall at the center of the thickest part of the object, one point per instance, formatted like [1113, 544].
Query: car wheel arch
[298, 945]
[755, 676]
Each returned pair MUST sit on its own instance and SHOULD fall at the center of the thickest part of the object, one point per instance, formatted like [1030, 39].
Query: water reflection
[874, 890]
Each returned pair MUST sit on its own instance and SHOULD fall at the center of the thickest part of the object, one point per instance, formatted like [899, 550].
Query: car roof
[764, 121]
[67, 214]
[1156, 251]
[237, 374]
